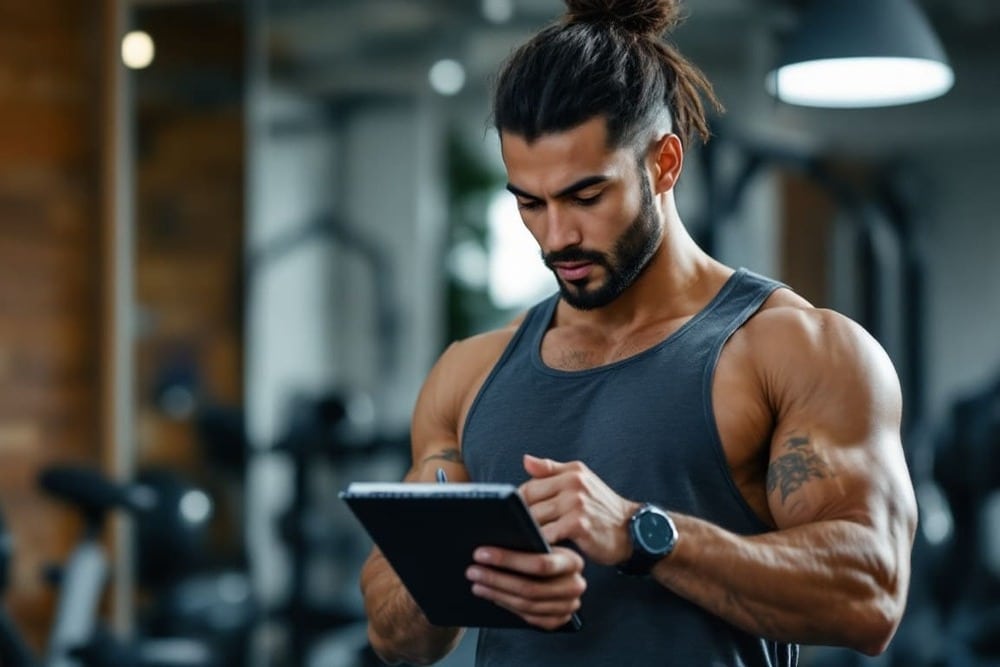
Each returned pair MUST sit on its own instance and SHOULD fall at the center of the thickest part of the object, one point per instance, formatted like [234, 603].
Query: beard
[628, 259]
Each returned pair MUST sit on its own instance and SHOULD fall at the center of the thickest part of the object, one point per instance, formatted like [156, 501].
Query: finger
[539, 467]
[560, 607]
[563, 503]
[528, 588]
[551, 621]
[567, 526]
[545, 511]
[572, 476]
[537, 490]
[558, 562]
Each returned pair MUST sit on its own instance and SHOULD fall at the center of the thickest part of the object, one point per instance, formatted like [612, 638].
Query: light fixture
[138, 50]
[861, 53]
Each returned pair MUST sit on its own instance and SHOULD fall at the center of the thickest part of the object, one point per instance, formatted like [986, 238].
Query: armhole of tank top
[762, 294]
[527, 325]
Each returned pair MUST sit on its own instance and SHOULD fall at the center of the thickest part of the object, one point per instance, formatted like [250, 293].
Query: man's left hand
[570, 502]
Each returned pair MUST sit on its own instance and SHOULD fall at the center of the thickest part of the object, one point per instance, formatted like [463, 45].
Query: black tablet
[428, 532]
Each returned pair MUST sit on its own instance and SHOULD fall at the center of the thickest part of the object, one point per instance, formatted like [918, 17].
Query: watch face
[654, 532]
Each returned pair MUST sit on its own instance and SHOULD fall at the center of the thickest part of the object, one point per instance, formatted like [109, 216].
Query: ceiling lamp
[861, 53]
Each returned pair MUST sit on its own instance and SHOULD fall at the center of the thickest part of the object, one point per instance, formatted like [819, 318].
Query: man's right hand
[543, 589]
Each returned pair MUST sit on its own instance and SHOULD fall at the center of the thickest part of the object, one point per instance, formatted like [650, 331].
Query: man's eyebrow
[582, 184]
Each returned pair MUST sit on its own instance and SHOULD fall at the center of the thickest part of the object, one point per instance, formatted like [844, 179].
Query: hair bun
[643, 17]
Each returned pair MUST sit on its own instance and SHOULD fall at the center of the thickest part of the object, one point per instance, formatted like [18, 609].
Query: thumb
[538, 467]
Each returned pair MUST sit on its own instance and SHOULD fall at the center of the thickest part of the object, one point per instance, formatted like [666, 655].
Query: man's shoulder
[791, 332]
[471, 355]
[786, 314]
[486, 343]
[455, 378]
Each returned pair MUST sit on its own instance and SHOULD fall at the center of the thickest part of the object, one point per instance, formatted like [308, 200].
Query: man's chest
[582, 348]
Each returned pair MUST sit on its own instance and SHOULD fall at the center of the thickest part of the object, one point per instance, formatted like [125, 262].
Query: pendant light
[861, 53]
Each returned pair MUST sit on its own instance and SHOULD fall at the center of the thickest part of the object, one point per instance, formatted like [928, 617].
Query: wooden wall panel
[189, 238]
[805, 240]
[50, 268]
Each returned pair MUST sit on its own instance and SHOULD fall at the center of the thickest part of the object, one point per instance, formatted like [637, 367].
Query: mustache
[573, 255]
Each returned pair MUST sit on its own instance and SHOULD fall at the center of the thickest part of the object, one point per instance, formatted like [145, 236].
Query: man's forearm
[830, 582]
[397, 628]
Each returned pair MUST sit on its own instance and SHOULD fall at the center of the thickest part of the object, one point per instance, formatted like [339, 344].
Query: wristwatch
[653, 536]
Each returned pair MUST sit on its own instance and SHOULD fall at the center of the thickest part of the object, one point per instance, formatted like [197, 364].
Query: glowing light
[861, 82]
[447, 77]
[138, 50]
[936, 518]
[195, 506]
[498, 11]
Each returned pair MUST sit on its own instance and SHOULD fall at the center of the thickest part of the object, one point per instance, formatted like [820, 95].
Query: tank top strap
[742, 296]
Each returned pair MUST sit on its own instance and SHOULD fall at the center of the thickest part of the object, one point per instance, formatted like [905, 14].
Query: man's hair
[604, 58]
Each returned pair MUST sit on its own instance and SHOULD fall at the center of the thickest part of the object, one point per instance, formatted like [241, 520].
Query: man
[717, 461]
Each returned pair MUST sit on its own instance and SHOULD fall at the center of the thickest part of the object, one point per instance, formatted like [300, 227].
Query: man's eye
[587, 201]
[529, 205]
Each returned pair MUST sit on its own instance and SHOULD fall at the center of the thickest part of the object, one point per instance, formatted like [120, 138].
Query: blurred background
[234, 236]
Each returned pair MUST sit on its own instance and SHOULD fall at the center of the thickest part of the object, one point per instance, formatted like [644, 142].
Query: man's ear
[667, 160]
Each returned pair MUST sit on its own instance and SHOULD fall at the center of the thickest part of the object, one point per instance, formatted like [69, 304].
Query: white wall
[393, 193]
[290, 331]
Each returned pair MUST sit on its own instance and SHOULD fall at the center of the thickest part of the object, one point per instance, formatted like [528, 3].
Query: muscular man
[717, 461]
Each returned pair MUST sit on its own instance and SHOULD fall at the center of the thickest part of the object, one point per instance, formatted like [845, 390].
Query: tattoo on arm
[790, 471]
[450, 455]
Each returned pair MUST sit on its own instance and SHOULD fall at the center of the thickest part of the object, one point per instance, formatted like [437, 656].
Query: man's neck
[678, 281]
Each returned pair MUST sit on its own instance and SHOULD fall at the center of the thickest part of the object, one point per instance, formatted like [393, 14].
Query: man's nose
[562, 228]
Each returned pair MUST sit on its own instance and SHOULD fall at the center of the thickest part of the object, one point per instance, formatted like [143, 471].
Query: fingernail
[482, 555]
[473, 574]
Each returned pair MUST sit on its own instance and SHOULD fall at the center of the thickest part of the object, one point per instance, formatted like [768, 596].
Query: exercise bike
[77, 637]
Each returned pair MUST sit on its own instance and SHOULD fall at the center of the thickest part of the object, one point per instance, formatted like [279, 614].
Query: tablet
[427, 533]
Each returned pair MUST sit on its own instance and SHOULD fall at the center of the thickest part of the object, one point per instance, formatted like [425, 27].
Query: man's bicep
[836, 451]
[439, 414]
[435, 446]
[812, 476]
[434, 437]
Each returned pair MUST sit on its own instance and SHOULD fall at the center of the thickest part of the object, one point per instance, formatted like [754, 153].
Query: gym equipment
[967, 573]
[325, 438]
[83, 577]
[6, 549]
[172, 540]
[190, 592]
[77, 638]
[13, 650]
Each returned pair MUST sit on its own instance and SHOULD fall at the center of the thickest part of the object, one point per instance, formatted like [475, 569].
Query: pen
[441, 477]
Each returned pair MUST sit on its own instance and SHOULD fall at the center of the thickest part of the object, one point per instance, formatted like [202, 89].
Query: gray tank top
[646, 426]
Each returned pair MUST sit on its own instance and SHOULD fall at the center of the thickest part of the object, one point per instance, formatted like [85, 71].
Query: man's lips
[571, 271]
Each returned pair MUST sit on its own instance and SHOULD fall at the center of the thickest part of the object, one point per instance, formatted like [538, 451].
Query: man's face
[590, 209]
